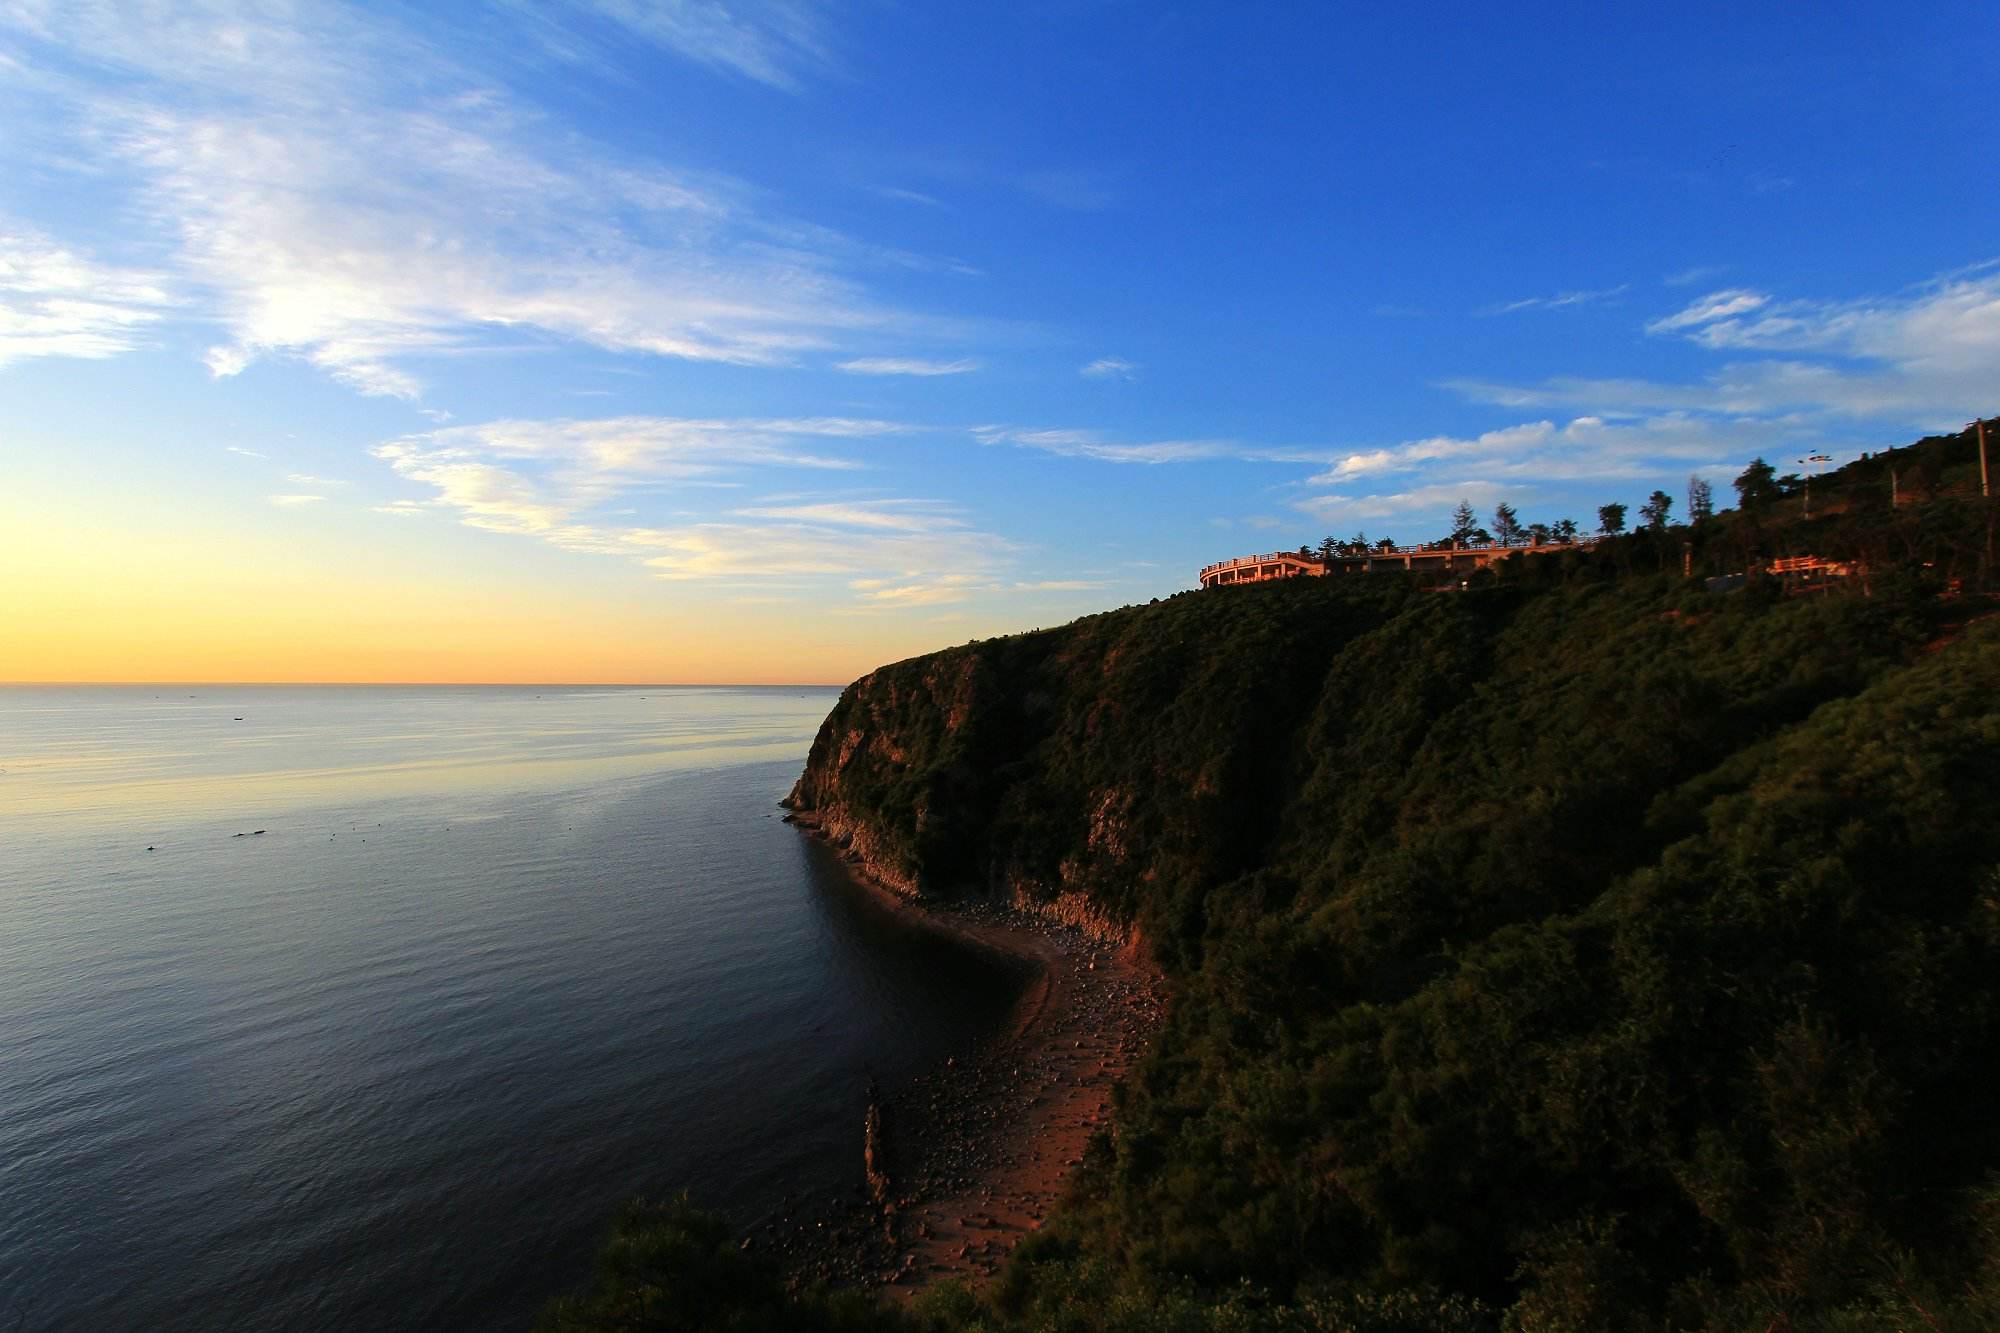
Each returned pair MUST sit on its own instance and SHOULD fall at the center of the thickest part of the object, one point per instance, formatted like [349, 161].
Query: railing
[1451, 548]
[1395, 552]
[1243, 560]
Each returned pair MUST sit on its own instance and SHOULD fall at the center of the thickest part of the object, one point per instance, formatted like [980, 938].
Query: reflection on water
[63, 751]
[497, 962]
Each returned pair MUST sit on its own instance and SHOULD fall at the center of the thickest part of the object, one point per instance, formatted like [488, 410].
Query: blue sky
[851, 330]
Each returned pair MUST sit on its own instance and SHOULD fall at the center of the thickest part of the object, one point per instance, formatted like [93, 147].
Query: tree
[1655, 511]
[1538, 533]
[1328, 549]
[1701, 500]
[1610, 519]
[1565, 530]
[1506, 525]
[1464, 523]
[1757, 486]
[1305, 552]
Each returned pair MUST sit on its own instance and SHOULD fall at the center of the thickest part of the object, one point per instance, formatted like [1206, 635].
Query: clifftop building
[1259, 568]
[1437, 557]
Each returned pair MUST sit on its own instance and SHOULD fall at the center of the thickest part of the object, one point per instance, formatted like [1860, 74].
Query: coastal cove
[968, 1158]
[502, 959]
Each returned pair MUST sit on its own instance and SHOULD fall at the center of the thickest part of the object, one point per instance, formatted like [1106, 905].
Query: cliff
[1126, 759]
[1586, 948]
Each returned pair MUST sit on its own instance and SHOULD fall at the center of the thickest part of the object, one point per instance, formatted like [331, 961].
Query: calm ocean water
[499, 959]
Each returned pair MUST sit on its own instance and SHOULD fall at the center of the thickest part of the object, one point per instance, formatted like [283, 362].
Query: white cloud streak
[1715, 306]
[56, 302]
[1079, 443]
[1091, 444]
[1110, 368]
[1688, 277]
[906, 365]
[1559, 300]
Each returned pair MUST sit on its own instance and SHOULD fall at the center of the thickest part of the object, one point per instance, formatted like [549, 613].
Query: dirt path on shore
[977, 1153]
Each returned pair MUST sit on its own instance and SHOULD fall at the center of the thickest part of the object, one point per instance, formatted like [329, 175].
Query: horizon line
[430, 684]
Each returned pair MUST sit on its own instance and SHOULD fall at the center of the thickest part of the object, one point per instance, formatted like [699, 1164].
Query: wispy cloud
[909, 196]
[564, 482]
[927, 590]
[1586, 447]
[307, 479]
[725, 548]
[57, 302]
[247, 453]
[1688, 277]
[1081, 443]
[1927, 357]
[882, 515]
[295, 501]
[1559, 300]
[770, 41]
[1540, 465]
[949, 587]
[541, 476]
[1714, 307]
[1436, 498]
[906, 365]
[1092, 444]
[339, 190]
[1109, 368]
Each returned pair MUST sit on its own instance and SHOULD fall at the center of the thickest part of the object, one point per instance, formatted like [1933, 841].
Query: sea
[339, 1007]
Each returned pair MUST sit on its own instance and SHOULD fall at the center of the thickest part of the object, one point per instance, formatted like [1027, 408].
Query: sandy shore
[978, 1152]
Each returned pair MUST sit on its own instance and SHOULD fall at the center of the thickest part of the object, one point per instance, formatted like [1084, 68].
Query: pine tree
[1758, 486]
[1464, 522]
[1701, 500]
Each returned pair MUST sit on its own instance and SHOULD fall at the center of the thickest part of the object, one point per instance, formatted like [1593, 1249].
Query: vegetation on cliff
[1585, 950]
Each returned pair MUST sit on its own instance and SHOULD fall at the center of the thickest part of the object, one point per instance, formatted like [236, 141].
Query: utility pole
[1811, 463]
[1985, 494]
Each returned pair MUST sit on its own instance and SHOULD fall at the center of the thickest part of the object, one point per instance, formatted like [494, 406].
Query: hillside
[1590, 951]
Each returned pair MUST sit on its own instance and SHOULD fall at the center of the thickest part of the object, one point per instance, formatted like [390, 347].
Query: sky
[736, 341]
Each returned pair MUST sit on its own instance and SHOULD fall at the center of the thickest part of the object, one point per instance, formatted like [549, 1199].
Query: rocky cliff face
[1081, 772]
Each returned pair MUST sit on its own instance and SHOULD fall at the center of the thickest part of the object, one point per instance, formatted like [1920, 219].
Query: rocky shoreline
[965, 1160]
